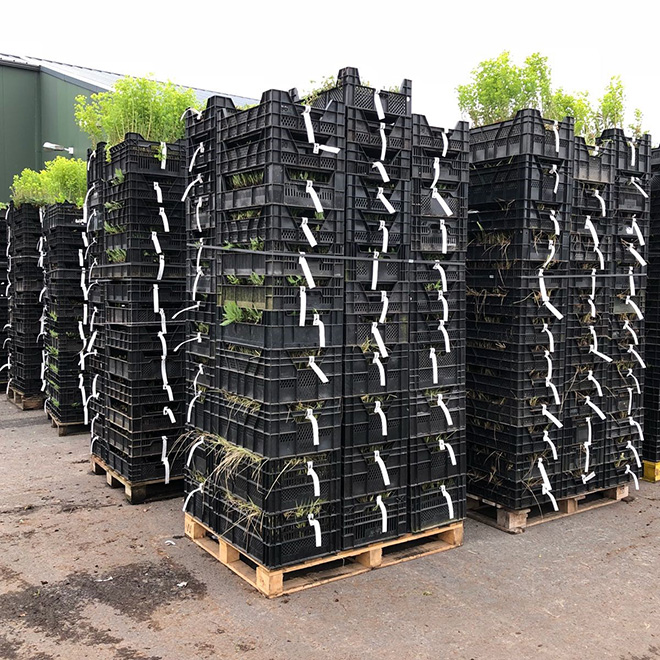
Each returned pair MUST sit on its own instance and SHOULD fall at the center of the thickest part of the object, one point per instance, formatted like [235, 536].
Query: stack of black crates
[24, 285]
[556, 281]
[315, 317]
[4, 301]
[134, 288]
[62, 257]
[651, 451]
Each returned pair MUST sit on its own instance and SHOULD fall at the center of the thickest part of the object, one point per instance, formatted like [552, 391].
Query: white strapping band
[383, 468]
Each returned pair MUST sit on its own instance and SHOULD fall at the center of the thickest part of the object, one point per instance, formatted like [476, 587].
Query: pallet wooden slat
[137, 493]
[347, 563]
[20, 400]
[516, 521]
[66, 428]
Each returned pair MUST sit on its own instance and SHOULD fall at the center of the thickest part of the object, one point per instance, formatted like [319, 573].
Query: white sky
[244, 47]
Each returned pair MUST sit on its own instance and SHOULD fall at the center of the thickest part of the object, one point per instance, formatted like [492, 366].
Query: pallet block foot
[24, 402]
[651, 472]
[315, 572]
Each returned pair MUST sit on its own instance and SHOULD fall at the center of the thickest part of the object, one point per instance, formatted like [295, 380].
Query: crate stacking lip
[524, 177]
[526, 134]
[510, 438]
[363, 517]
[145, 393]
[363, 423]
[141, 338]
[135, 155]
[368, 373]
[281, 376]
[390, 298]
[366, 331]
[281, 430]
[372, 469]
[428, 506]
[295, 227]
[437, 457]
[172, 270]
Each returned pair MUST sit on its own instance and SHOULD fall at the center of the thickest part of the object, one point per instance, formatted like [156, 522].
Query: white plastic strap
[637, 356]
[81, 258]
[186, 192]
[309, 415]
[324, 147]
[555, 393]
[163, 154]
[445, 336]
[159, 192]
[316, 322]
[543, 290]
[592, 230]
[380, 195]
[443, 233]
[309, 189]
[450, 504]
[198, 276]
[374, 271]
[553, 170]
[443, 204]
[386, 302]
[445, 142]
[588, 477]
[383, 513]
[445, 307]
[199, 150]
[156, 242]
[544, 475]
[634, 180]
[383, 141]
[603, 208]
[85, 240]
[555, 222]
[548, 359]
[378, 104]
[164, 460]
[91, 424]
[89, 160]
[633, 304]
[303, 307]
[551, 254]
[189, 416]
[187, 309]
[601, 258]
[587, 455]
[593, 283]
[170, 393]
[640, 259]
[317, 370]
[589, 430]
[383, 468]
[84, 208]
[443, 276]
[199, 489]
[306, 271]
[592, 308]
[551, 339]
[200, 372]
[92, 339]
[156, 299]
[163, 370]
[308, 232]
[633, 334]
[163, 343]
[163, 216]
[594, 380]
[381, 170]
[630, 374]
[91, 321]
[316, 525]
[168, 411]
[383, 420]
[630, 444]
[633, 475]
[595, 408]
[434, 364]
[553, 448]
[198, 206]
[92, 441]
[81, 331]
[633, 158]
[442, 445]
[163, 321]
[199, 443]
[381, 369]
[635, 228]
[555, 128]
[386, 235]
[379, 340]
[445, 410]
[41, 293]
[630, 399]
[436, 171]
[546, 413]
[194, 111]
[197, 338]
[307, 118]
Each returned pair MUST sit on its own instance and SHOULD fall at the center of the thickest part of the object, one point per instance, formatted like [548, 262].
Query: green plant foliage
[3, 206]
[135, 105]
[499, 88]
[28, 188]
[62, 180]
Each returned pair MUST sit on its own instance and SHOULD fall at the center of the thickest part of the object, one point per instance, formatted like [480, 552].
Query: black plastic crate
[364, 521]
[365, 148]
[363, 331]
[437, 457]
[363, 425]
[427, 235]
[446, 369]
[281, 430]
[426, 202]
[526, 134]
[362, 375]
[138, 365]
[281, 376]
[375, 229]
[135, 155]
[368, 266]
[428, 506]
[372, 469]
[146, 417]
[173, 270]
[360, 299]
[428, 415]
[631, 155]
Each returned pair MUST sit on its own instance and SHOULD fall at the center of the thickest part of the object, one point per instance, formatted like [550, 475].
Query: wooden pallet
[19, 399]
[651, 472]
[66, 428]
[137, 493]
[516, 521]
[315, 572]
